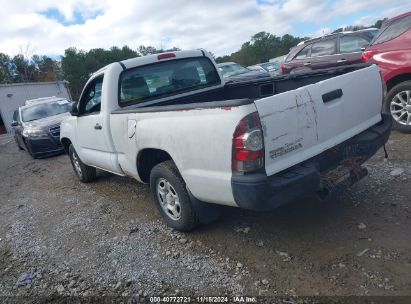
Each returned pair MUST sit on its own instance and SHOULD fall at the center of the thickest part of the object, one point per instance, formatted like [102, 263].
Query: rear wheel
[84, 173]
[169, 193]
[398, 104]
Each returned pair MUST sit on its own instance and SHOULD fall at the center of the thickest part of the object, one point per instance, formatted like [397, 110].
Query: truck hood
[47, 121]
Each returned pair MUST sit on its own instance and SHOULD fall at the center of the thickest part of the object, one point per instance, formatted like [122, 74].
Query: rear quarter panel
[199, 141]
[393, 57]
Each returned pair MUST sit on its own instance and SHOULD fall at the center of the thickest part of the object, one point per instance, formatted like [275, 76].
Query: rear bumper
[260, 192]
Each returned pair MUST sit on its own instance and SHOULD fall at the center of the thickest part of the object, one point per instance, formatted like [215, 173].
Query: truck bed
[239, 93]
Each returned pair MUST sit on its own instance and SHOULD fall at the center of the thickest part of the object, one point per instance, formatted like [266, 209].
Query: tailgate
[302, 123]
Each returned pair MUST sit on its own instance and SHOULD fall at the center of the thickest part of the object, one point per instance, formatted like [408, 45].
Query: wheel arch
[147, 159]
[397, 80]
[66, 144]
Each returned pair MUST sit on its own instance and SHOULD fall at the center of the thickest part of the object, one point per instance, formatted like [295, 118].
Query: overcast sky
[49, 27]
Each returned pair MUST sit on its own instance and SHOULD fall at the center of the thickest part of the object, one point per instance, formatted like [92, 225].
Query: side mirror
[14, 123]
[74, 109]
[362, 49]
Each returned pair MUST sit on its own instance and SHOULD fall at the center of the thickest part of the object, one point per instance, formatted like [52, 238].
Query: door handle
[98, 126]
[307, 63]
[341, 60]
[330, 96]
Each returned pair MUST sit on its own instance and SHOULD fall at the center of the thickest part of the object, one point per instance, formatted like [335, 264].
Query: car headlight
[34, 133]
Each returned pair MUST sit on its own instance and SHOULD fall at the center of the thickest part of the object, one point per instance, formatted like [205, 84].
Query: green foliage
[222, 59]
[5, 69]
[23, 69]
[261, 48]
[78, 65]
[379, 23]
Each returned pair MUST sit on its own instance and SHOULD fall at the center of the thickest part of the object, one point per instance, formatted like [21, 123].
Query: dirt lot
[61, 237]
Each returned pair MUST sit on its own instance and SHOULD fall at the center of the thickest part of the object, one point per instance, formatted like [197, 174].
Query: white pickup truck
[170, 120]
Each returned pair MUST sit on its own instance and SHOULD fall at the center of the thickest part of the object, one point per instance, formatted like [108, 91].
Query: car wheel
[398, 104]
[84, 172]
[30, 151]
[171, 198]
[17, 143]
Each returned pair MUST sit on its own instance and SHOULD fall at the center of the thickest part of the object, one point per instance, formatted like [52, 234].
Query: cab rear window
[166, 79]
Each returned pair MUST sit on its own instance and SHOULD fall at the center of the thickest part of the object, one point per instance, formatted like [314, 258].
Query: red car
[391, 50]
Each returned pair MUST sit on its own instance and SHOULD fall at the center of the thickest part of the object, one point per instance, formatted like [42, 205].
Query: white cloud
[219, 26]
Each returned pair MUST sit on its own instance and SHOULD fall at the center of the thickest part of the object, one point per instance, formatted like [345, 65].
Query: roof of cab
[133, 62]
[143, 60]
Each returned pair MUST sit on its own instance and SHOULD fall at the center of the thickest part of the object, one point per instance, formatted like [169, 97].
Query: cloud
[219, 26]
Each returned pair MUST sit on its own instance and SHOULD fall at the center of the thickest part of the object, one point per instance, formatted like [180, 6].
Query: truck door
[92, 130]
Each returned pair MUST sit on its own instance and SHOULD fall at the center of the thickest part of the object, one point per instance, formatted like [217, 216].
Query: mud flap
[205, 212]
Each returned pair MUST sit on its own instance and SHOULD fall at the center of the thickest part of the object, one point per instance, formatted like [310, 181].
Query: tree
[149, 50]
[222, 59]
[379, 23]
[78, 66]
[46, 68]
[5, 69]
[261, 48]
[74, 70]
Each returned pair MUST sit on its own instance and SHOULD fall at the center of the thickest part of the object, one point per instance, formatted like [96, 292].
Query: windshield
[233, 69]
[392, 30]
[271, 67]
[43, 110]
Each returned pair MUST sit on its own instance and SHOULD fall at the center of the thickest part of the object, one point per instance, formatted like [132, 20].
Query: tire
[17, 143]
[85, 173]
[171, 198]
[30, 151]
[401, 120]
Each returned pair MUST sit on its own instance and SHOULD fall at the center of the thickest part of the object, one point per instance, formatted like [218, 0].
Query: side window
[90, 101]
[393, 30]
[165, 79]
[351, 44]
[322, 48]
[16, 115]
[304, 53]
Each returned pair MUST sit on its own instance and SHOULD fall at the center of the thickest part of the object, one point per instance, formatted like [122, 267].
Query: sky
[48, 27]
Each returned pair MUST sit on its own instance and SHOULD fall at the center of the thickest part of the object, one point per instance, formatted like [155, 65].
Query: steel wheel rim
[76, 163]
[168, 198]
[400, 108]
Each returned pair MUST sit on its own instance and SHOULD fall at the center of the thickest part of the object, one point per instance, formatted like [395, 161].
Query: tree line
[76, 66]
[21, 68]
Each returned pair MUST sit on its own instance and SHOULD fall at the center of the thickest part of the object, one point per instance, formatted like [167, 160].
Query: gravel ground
[60, 237]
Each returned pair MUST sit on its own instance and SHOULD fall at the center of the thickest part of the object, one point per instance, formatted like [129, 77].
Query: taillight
[283, 68]
[248, 145]
[166, 55]
[367, 55]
